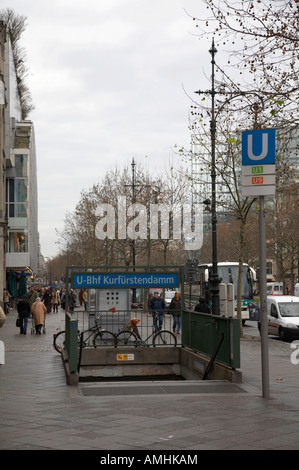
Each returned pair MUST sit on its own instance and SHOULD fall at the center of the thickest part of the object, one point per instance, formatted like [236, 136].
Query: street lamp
[214, 279]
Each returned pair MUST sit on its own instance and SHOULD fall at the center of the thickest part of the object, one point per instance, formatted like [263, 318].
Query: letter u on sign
[258, 146]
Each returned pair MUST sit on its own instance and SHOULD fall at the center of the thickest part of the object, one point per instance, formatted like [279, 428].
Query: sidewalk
[40, 412]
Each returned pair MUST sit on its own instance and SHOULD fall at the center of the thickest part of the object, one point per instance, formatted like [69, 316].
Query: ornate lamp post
[214, 276]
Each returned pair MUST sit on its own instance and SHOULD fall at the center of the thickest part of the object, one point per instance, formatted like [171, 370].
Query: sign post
[258, 179]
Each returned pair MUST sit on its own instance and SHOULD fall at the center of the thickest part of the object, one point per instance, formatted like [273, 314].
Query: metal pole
[133, 241]
[214, 276]
[263, 301]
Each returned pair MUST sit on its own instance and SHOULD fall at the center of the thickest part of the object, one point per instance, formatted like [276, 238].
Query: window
[17, 197]
[18, 242]
[21, 165]
[273, 312]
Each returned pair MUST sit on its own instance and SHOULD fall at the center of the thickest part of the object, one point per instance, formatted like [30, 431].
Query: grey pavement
[39, 411]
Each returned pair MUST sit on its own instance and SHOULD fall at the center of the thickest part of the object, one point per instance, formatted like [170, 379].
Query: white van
[274, 288]
[283, 316]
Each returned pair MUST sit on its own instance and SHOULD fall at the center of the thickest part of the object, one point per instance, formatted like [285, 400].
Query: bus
[228, 273]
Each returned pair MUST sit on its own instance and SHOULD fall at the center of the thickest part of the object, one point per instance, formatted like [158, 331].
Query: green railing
[204, 332]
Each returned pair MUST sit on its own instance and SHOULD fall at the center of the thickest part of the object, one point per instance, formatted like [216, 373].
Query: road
[275, 345]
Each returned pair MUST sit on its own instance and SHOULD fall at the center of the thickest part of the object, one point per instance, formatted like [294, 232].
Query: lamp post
[214, 279]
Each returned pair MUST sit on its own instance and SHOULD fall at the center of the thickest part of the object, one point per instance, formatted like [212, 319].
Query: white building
[22, 251]
[21, 198]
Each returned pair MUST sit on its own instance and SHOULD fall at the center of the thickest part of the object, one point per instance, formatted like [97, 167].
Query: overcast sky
[107, 78]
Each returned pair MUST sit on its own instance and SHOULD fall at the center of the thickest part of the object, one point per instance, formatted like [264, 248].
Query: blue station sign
[258, 147]
[128, 280]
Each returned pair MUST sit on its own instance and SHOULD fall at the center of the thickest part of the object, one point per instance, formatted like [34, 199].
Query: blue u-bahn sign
[128, 280]
[258, 147]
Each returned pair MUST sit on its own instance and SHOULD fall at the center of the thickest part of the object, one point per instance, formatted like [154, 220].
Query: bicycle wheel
[59, 341]
[164, 338]
[126, 338]
[104, 338]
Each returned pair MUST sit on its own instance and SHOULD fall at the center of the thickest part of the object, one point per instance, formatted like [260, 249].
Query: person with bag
[23, 309]
[38, 311]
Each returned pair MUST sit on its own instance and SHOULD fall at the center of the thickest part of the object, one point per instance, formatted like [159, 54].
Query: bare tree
[16, 25]
[261, 38]
[79, 236]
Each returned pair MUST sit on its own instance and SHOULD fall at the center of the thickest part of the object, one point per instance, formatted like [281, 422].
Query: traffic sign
[258, 147]
[258, 162]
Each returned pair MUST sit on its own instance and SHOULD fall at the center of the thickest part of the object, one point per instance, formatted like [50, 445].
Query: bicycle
[131, 336]
[100, 337]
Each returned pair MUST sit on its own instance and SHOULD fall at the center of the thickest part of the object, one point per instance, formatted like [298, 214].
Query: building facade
[22, 251]
[19, 183]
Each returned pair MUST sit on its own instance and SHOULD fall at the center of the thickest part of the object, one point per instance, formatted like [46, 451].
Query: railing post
[71, 342]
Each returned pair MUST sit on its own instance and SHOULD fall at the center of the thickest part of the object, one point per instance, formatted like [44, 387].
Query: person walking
[55, 300]
[6, 300]
[62, 298]
[175, 308]
[23, 309]
[157, 305]
[32, 296]
[38, 311]
[47, 299]
[202, 306]
[72, 300]
[81, 297]
[85, 299]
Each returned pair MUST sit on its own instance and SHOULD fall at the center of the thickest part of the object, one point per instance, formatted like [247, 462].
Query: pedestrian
[156, 308]
[32, 296]
[55, 300]
[81, 297]
[47, 299]
[72, 300]
[38, 311]
[175, 308]
[202, 306]
[23, 309]
[62, 299]
[6, 300]
[85, 299]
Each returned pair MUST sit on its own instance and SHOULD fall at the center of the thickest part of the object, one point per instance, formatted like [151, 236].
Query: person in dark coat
[157, 305]
[23, 309]
[47, 300]
[175, 310]
[202, 306]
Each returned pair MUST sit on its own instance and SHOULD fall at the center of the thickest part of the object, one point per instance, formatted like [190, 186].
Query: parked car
[283, 316]
[136, 305]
